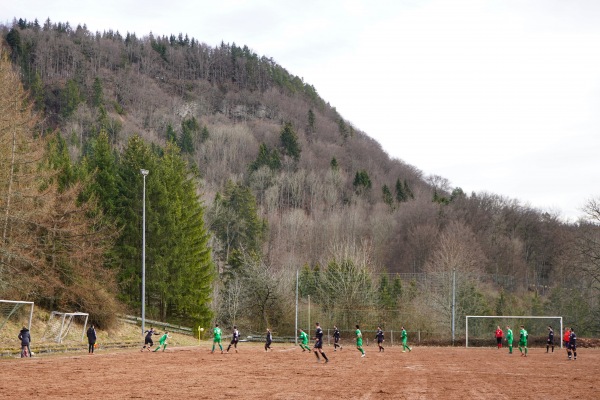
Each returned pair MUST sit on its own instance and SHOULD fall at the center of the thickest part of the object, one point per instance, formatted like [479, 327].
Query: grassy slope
[123, 335]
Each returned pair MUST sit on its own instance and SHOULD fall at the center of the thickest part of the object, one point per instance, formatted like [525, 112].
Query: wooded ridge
[253, 176]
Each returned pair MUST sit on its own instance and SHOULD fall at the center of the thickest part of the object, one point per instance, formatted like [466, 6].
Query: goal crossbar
[15, 307]
[512, 317]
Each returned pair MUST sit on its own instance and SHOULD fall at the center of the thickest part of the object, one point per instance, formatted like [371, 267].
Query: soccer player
[235, 338]
[499, 335]
[572, 344]
[566, 339]
[163, 341]
[404, 337]
[523, 341]
[509, 338]
[359, 343]
[379, 336]
[217, 338]
[269, 340]
[319, 343]
[336, 338]
[304, 339]
[148, 343]
[550, 341]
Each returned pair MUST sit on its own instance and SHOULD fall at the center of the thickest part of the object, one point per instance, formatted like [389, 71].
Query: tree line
[284, 183]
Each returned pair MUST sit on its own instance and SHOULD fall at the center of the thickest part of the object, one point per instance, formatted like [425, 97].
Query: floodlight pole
[453, 302]
[144, 172]
[296, 326]
[309, 312]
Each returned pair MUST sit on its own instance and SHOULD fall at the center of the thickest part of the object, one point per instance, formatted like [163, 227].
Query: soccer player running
[523, 341]
[304, 338]
[499, 335]
[550, 341]
[269, 340]
[217, 338]
[509, 339]
[162, 341]
[359, 343]
[566, 338]
[319, 343]
[379, 336]
[404, 337]
[572, 344]
[336, 338]
[148, 343]
[235, 338]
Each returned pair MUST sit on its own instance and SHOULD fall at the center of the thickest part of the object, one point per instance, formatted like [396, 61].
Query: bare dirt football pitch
[287, 373]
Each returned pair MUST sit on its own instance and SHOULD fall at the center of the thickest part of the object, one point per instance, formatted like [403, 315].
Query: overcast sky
[501, 96]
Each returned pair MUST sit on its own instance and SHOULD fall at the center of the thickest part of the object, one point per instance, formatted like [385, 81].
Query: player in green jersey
[163, 341]
[359, 343]
[217, 338]
[304, 338]
[404, 337]
[523, 341]
[509, 338]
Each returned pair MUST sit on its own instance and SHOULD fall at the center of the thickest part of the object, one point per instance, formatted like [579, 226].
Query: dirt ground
[287, 373]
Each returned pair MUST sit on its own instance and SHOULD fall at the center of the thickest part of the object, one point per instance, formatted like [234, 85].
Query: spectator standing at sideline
[25, 338]
[91, 335]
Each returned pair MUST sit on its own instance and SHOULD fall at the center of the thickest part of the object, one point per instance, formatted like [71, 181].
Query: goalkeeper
[304, 338]
[163, 341]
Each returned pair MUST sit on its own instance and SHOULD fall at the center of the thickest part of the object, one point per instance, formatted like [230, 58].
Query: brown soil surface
[287, 373]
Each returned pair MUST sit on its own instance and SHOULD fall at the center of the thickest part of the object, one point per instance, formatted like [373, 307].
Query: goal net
[18, 312]
[480, 329]
[64, 326]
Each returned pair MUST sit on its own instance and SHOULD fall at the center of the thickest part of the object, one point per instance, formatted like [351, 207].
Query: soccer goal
[65, 326]
[21, 312]
[482, 326]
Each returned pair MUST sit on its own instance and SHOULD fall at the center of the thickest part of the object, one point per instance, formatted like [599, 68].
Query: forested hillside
[253, 176]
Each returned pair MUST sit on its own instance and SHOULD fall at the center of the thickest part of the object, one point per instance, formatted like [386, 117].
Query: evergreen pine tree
[400, 194]
[289, 142]
[387, 196]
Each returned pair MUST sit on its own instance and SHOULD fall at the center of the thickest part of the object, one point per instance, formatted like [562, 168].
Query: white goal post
[59, 325]
[9, 307]
[513, 317]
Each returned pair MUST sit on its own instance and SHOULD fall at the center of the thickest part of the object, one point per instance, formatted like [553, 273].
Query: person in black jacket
[572, 344]
[25, 338]
[268, 341]
[379, 336]
[336, 338]
[91, 335]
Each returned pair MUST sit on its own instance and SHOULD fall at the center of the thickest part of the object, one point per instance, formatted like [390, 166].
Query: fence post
[419, 336]
[392, 338]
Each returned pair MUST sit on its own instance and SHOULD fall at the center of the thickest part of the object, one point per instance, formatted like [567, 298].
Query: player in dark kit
[148, 343]
[572, 344]
[319, 343]
[550, 342]
[379, 337]
[235, 338]
[336, 338]
[268, 340]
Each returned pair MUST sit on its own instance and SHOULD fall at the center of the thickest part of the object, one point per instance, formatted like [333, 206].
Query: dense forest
[252, 177]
